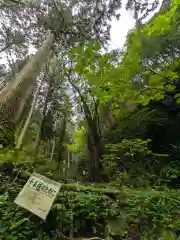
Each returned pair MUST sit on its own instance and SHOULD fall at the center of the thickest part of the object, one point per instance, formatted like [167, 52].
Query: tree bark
[13, 96]
[95, 153]
[53, 148]
[48, 98]
[26, 125]
[62, 133]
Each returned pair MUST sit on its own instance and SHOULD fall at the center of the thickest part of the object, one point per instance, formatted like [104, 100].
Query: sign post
[38, 195]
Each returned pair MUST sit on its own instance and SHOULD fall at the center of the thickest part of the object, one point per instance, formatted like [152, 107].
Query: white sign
[38, 195]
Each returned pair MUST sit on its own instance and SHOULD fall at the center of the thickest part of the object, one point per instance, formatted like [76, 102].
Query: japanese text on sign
[38, 195]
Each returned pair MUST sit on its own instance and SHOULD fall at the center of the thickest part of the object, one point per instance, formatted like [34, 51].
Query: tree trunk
[95, 153]
[53, 148]
[94, 145]
[60, 143]
[48, 98]
[26, 125]
[90, 159]
[13, 96]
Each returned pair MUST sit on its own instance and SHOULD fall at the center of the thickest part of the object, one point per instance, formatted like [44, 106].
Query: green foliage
[134, 146]
[14, 156]
[79, 138]
[160, 208]
[147, 211]
[87, 211]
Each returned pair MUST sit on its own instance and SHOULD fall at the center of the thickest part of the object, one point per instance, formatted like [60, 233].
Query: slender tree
[29, 117]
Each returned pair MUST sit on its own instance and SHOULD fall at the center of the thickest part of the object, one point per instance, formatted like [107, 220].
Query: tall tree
[67, 26]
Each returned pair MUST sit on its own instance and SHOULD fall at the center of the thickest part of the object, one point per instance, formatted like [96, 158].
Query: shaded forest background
[103, 123]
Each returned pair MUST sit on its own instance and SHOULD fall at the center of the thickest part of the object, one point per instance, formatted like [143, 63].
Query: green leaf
[177, 95]
[17, 224]
[178, 100]
[161, 155]
[3, 229]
